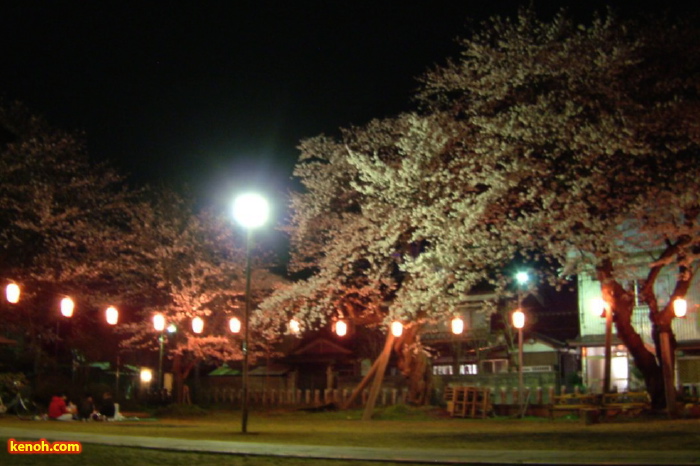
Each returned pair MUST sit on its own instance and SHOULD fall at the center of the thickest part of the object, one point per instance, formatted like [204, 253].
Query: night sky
[217, 94]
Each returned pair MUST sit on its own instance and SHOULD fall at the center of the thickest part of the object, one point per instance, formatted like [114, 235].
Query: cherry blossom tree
[544, 140]
[63, 223]
[588, 140]
[196, 269]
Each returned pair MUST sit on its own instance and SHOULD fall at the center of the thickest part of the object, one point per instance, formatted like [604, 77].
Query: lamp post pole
[160, 363]
[246, 334]
[519, 323]
[251, 211]
[608, 349]
[521, 385]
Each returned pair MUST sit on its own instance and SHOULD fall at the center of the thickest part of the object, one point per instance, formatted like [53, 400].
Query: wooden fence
[387, 396]
[274, 397]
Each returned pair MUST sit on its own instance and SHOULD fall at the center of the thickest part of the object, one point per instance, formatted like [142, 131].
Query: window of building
[494, 366]
[442, 370]
[467, 369]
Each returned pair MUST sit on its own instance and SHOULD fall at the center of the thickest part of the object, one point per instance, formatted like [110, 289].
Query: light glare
[112, 315]
[396, 328]
[341, 328]
[159, 322]
[522, 277]
[67, 306]
[197, 325]
[598, 305]
[457, 326]
[680, 307]
[146, 375]
[12, 293]
[234, 324]
[518, 319]
[251, 210]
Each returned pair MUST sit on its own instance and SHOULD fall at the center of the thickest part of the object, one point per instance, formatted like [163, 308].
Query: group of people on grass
[60, 409]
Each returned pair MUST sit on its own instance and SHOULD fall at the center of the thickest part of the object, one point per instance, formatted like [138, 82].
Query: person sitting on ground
[87, 409]
[58, 410]
[107, 407]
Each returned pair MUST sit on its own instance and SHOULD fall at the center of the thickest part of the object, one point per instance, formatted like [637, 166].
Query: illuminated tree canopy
[544, 140]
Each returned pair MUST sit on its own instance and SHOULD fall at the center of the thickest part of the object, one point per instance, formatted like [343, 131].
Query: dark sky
[217, 94]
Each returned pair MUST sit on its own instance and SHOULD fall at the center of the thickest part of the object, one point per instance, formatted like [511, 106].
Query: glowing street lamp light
[294, 326]
[234, 324]
[457, 325]
[518, 319]
[598, 306]
[251, 211]
[159, 326]
[197, 325]
[341, 328]
[522, 278]
[146, 375]
[396, 328]
[159, 322]
[680, 307]
[12, 293]
[602, 308]
[519, 323]
[112, 315]
[67, 306]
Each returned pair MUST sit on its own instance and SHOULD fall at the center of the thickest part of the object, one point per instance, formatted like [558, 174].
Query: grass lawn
[398, 427]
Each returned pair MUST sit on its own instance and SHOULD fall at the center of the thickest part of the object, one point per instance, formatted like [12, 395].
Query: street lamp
[294, 326]
[396, 328]
[234, 324]
[457, 325]
[12, 293]
[197, 325]
[251, 211]
[341, 328]
[159, 326]
[519, 323]
[603, 309]
[67, 306]
[522, 278]
[112, 315]
[680, 307]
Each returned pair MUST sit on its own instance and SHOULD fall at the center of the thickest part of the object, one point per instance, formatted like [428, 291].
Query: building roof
[224, 369]
[321, 346]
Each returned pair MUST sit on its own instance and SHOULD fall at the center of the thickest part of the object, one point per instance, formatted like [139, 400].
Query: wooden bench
[574, 403]
[627, 403]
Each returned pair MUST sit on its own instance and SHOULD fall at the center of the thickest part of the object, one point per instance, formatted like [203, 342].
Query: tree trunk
[178, 381]
[415, 365]
[382, 362]
[622, 306]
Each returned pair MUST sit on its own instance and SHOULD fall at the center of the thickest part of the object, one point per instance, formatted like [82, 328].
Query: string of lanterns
[340, 327]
